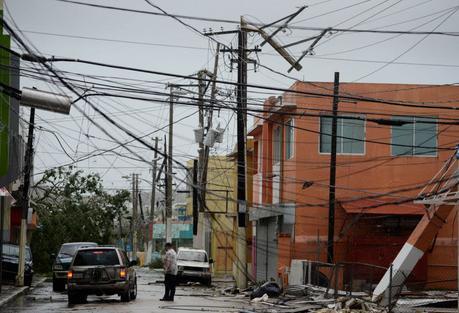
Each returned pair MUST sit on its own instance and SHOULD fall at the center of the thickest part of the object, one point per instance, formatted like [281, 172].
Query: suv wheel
[76, 297]
[58, 284]
[134, 290]
[126, 296]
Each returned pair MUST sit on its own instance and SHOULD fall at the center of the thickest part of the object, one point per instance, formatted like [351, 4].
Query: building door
[224, 258]
[267, 254]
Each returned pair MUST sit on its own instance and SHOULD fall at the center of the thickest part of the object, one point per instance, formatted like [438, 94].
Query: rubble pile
[351, 305]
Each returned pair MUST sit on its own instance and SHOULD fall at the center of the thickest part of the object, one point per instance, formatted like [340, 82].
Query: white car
[194, 265]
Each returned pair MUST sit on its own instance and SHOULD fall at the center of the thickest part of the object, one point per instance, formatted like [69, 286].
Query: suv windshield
[96, 257]
[13, 251]
[70, 249]
[197, 256]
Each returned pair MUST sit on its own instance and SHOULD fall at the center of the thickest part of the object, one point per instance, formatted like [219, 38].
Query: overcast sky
[163, 44]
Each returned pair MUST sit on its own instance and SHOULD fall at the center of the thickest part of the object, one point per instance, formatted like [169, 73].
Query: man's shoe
[164, 299]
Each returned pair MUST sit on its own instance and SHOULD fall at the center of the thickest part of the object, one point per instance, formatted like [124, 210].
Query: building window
[260, 157]
[277, 151]
[289, 139]
[418, 137]
[350, 135]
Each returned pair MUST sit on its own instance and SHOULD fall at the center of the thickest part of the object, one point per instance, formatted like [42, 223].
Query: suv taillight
[69, 274]
[123, 273]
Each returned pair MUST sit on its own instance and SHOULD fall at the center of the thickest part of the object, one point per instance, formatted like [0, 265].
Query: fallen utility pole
[440, 201]
[25, 199]
[332, 189]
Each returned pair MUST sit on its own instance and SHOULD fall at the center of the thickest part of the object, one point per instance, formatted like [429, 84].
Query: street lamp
[45, 100]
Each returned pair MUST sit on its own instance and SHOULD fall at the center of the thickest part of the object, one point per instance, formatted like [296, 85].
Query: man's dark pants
[170, 281]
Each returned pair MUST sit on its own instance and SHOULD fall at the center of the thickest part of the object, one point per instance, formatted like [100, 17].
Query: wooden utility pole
[169, 169]
[25, 199]
[134, 221]
[195, 199]
[213, 94]
[199, 240]
[331, 193]
[241, 156]
[153, 188]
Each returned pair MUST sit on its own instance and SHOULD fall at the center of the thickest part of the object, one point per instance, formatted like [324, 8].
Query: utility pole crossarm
[289, 19]
[310, 49]
[278, 47]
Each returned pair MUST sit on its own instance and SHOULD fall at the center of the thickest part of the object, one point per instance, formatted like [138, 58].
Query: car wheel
[126, 296]
[208, 282]
[28, 280]
[58, 284]
[74, 297]
[134, 290]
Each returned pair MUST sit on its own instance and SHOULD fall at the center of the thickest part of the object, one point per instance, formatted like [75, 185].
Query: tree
[72, 206]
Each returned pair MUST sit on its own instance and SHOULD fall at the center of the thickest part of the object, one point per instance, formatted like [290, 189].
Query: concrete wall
[375, 171]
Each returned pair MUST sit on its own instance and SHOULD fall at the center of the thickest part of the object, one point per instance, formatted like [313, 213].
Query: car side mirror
[133, 263]
[53, 257]
[211, 261]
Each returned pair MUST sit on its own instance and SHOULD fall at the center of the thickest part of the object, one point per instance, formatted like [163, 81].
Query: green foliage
[72, 206]
[157, 263]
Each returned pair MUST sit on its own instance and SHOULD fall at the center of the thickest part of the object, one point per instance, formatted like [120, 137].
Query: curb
[20, 291]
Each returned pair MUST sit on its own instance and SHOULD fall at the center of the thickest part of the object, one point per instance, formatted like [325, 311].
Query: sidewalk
[10, 292]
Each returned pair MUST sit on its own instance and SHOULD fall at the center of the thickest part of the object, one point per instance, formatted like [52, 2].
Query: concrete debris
[263, 298]
[347, 304]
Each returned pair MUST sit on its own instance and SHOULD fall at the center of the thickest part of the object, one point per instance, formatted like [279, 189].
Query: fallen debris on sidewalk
[272, 289]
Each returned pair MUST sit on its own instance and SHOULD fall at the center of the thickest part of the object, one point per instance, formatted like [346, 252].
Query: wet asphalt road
[193, 298]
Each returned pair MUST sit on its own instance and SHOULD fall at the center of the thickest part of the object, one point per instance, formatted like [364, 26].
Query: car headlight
[57, 267]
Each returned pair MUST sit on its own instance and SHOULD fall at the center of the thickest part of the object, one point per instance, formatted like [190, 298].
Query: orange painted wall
[376, 171]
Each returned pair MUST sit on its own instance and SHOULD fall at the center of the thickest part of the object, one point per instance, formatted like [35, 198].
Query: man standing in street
[170, 273]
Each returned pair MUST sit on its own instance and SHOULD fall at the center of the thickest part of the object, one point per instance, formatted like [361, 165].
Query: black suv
[10, 261]
[62, 262]
[101, 271]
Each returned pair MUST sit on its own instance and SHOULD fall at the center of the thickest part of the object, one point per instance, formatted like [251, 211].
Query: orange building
[388, 149]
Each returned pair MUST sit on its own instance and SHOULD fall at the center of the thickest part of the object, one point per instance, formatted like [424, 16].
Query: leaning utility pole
[25, 199]
[331, 193]
[169, 169]
[213, 94]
